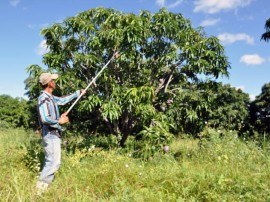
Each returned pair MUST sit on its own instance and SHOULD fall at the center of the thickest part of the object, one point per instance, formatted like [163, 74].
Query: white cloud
[209, 22]
[252, 59]
[14, 2]
[31, 26]
[44, 25]
[252, 97]
[215, 6]
[227, 38]
[163, 3]
[245, 18]
[240, 88]
[42, 48]
[175, 4]
[160, 3]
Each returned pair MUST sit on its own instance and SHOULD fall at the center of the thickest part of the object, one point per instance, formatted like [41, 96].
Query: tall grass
[212, 169]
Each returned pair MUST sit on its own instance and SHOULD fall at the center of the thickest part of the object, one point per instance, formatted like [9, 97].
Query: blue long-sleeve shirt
[48, 108]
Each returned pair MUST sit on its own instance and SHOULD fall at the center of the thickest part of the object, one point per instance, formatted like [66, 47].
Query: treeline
[14, 112]
[222, 107]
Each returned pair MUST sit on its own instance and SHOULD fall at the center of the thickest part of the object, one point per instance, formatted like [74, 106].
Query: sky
[238, 24]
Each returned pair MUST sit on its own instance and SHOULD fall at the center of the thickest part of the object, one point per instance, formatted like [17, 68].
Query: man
[51, 121]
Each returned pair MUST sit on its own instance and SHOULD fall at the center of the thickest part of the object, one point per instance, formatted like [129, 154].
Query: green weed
[218, 167]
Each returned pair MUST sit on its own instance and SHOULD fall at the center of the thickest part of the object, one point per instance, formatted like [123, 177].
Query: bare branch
[167, 84]
[160, 86]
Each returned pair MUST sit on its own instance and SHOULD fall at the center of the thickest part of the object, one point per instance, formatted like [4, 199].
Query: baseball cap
[45, 78]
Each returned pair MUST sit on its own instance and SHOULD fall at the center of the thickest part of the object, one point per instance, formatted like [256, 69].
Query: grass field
[218, 169]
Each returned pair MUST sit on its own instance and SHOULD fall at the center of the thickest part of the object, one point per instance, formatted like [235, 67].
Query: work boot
[41, 187]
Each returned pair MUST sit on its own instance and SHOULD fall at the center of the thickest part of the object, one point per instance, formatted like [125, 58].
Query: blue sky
[239, 25]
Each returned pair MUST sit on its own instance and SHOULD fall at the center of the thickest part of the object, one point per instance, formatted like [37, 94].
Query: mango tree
[160, 53]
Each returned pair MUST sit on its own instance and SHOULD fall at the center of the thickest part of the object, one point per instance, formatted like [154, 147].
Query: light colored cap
[45, 78]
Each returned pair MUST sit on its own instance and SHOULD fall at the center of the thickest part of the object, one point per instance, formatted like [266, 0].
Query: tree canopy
[216, 106]
[160, 55]
[13, 112]
[266, 36]
[260, 110]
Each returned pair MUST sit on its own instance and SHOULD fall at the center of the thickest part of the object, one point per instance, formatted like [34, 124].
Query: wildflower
[169, 102]
[166, 148]
[126, 165]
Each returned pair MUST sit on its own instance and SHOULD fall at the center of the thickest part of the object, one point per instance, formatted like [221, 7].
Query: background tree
[159, 54]
[266, 36]
[14, 112]
[260, 110]
[229, 108]
[33, 90]
[210, 104]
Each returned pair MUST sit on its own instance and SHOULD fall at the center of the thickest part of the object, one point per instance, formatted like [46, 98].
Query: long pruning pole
[93, 80]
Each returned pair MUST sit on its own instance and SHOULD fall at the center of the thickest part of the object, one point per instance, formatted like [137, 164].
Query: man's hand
[63, 119]
[83, 92]
[117, 55]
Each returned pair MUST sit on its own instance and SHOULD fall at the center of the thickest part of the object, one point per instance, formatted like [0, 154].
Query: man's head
[46, 78]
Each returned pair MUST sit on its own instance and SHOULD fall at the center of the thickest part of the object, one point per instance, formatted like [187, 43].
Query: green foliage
[31, 82]
[188, 111]
[71, 144]
[260, 110]
[154, 138]
[266, 36]
[228, 108]
[14, 112]
[34, 156]
[209, 104]
[159, 53]
[219, 167]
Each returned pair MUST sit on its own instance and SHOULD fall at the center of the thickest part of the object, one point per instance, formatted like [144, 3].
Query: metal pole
[93, 80]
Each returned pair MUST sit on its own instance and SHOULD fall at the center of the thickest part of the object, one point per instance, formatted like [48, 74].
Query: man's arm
[66, 99]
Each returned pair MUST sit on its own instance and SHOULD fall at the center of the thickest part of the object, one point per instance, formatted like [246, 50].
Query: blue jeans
[52, 147]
